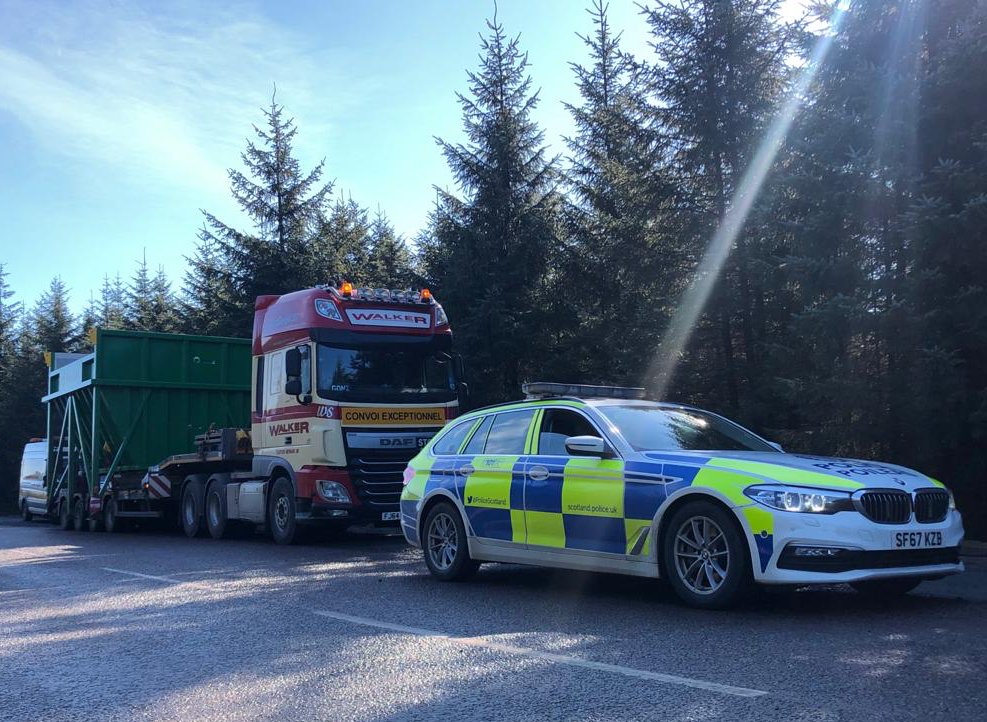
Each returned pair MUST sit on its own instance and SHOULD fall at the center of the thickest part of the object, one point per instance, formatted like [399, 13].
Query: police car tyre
[281, 512]
[444, 543]
[191, 513]
[216, 511]
[26, 514]
[886, 588]
[79, 522]
[704, 556]
[64, 515]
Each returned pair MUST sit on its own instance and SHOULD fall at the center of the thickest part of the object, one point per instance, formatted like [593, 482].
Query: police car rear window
[452, 439]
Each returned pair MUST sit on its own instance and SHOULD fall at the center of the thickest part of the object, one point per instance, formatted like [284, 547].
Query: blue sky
[119, 119]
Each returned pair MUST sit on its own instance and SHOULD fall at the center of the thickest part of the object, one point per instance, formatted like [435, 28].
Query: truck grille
[886, 507]
[931, 505]
[379, 479]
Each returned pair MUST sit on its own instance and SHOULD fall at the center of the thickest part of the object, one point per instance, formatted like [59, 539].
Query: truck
[310, 422]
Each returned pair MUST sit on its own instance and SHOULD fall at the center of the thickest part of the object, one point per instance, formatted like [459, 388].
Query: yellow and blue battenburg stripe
[581, 503]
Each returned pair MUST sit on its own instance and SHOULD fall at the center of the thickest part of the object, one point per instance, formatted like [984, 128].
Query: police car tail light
[333, 491]
[797, 499]
[409, 474]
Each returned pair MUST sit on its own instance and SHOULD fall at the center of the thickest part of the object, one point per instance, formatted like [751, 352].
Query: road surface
[154, 626]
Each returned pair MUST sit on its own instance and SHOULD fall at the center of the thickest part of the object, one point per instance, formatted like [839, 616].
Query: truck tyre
[79, 516]
[26, 514]
[281, 512]
[444, 543]
[216, 510]
[111, 523]
[64, 517]
[191, 509]
[705, 557]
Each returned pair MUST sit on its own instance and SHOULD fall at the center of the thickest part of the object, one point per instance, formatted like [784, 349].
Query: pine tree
[488, 251]
[111, 307]
[286, 207]
[388, 258]
[139, 305]
[622, 268]
[209, 301]
[10, 425]
[340, 250]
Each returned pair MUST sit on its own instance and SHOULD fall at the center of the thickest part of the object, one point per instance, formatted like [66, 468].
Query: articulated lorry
[310, 422]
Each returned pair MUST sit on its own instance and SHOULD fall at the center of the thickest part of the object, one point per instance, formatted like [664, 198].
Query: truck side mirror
[297, 374]
[293, 363]
[463, 395]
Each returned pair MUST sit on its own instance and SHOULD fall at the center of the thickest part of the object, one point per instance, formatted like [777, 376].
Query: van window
[508, 432]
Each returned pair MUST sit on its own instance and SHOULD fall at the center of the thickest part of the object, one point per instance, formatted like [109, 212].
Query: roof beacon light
[426, 295]
[346, 289]
[544, 389]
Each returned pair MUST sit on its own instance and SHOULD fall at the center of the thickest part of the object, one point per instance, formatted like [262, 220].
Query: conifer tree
[489, 246]
[388, 258]
[286, 206]
[622, 267]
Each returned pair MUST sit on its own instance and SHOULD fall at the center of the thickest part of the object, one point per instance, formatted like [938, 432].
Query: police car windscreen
[384, 373]
[653, 428]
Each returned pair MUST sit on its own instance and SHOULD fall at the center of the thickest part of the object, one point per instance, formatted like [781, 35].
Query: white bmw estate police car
[595, 478]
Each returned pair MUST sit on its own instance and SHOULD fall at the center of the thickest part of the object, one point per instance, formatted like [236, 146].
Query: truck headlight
[800, 499]
[333, 491]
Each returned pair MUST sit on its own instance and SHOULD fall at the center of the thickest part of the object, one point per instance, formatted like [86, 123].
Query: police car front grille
[886, 507]
[379, 480]
[931, 505]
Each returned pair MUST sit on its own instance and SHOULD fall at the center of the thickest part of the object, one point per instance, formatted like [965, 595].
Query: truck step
[140, 514]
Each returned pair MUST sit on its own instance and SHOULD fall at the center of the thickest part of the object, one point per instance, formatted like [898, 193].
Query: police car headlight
[952, 500]
[800, 499]
[333, 491]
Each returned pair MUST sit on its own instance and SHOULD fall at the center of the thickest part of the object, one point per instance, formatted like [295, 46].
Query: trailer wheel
[79, 515]
[26, 514]
[191, 509]
[64, 517]
[281, 512]
[110, 521]
[216, 510]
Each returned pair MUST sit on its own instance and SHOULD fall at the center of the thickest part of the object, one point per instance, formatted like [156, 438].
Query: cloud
[167, 99]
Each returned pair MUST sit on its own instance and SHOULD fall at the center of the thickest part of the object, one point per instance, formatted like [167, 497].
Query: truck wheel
[705, 557]
[216, 511]
[191, 511]
[79, 516]
[281, 512]
[447, 554]
[26, 514]
[64, 517]
[111, 523]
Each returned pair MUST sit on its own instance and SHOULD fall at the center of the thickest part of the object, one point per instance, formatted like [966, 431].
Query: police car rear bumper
[848, 547]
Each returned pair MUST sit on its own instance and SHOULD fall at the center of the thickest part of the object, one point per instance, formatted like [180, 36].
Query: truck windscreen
[385, 374]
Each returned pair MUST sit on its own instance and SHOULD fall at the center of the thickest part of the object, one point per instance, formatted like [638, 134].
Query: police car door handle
[466, 469]
[538, 473]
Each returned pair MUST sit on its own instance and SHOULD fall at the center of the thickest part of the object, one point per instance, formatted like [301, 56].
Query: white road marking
[484, 643]
[167, 580]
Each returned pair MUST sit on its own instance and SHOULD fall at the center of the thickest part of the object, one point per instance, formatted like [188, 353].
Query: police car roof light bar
[545, 389]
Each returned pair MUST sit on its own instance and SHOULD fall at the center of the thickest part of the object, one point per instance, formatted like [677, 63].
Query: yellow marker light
[426, 295]
[346, 289]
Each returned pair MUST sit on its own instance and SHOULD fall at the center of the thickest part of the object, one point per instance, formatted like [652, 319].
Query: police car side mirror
[776, 445]
[586, 446]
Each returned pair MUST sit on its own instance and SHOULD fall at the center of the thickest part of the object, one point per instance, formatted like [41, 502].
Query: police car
[599, 479]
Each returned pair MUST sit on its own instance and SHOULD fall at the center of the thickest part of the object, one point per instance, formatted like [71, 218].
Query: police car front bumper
[848, 547]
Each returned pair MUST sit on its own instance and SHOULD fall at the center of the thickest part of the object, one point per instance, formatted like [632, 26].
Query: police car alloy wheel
[446, 552]
[705, 558]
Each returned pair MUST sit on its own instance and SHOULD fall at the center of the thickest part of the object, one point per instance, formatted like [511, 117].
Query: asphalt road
[154, 626]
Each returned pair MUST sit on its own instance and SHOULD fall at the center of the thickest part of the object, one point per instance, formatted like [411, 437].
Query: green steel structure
[138, 398]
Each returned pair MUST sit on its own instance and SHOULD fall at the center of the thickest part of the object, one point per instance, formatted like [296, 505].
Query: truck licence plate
[390, 516]
[916, 539]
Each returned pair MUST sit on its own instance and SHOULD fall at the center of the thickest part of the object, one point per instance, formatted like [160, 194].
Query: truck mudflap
[157, 485]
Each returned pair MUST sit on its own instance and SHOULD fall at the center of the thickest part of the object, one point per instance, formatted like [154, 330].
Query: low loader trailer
[310, 422]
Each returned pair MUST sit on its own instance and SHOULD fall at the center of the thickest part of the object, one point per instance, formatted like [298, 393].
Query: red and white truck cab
[348, 384]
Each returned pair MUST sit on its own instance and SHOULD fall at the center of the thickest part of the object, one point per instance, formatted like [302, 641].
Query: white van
[32, 494]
